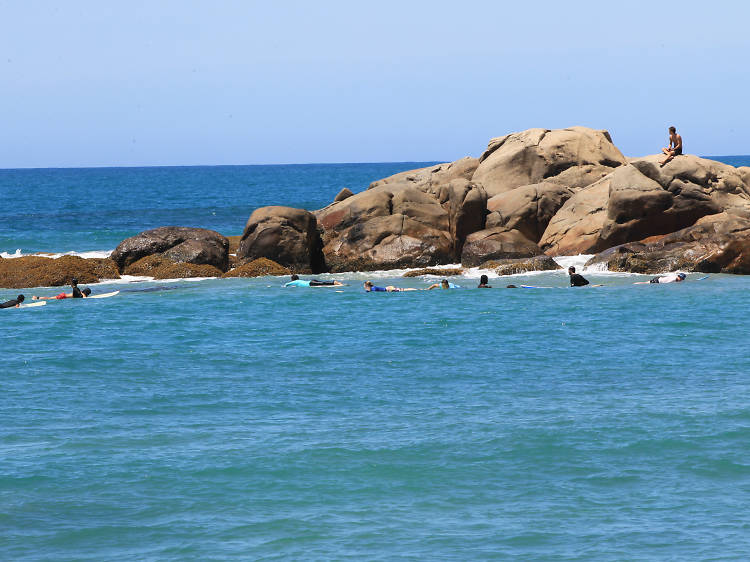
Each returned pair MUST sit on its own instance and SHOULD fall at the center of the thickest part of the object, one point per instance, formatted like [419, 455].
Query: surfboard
[535, 287]
[702, 278]
[104, 295]
[33, 304]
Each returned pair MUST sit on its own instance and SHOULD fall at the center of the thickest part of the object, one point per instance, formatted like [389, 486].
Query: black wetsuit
[317, 283]
[9, 304]
[77, 293]
[578, 280]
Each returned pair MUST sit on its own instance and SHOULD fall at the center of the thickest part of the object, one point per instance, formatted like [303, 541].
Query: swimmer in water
[444, 284]
[483, 283]
[370, 288]
[669, 278]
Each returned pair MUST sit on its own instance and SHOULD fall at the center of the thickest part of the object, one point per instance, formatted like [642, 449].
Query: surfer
[13, 303]
[483, 283]
[297, 282]
[669, 278]
[370, 288]
[576, 279]
[444, 284]
[674, 148]
[81, 295]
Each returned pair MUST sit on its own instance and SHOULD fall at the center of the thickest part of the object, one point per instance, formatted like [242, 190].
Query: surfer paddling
[669, 278]
[13, 303]
[75, 293]
[370, 288]
[297, 282]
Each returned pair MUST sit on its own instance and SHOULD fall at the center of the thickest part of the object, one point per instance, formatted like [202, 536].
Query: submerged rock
[258, 268]
[521, 265]
[37, 271]
[433, 271]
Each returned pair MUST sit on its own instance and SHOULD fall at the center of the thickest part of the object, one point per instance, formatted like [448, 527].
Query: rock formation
[178, 244]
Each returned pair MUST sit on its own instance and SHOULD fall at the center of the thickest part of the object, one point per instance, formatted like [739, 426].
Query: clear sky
[98, 83]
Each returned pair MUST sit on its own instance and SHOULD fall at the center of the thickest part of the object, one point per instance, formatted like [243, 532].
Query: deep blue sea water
[235, 419]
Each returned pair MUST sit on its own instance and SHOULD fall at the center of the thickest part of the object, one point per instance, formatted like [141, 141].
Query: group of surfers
[576, 280]
[75, 293]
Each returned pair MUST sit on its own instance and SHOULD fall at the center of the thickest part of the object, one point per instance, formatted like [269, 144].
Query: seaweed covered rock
[37, 271]
[159, 266]
[515, 266]
[259, 267]
[179, 244]
[285, 235]
[444, 272]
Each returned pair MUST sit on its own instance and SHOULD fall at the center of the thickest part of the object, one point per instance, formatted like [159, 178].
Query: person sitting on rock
[82, 295]
[669, 278]
[576, 279]
[297, 282]
[483, 283]
[674, 148]
[370, 288]
[13, 303]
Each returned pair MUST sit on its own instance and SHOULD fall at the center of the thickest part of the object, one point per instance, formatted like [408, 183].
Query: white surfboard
[33, 304]
[104, 295]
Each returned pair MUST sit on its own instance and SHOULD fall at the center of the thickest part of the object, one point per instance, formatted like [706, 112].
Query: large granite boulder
[285, 235]
[179, 244]
[527, 209]
[468, 210]
[496, 243]
[159, 266]
[433, 178]
[715, 244]
[643, 199]
[574, 157]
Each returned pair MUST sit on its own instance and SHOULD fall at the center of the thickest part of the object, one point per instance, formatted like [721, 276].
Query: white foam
[90, 254]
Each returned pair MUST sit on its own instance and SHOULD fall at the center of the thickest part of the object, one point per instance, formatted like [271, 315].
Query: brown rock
[181, 244]
[527, 209]
[160, 267]
[260, 267]
[36, 271]
[574, 157]
[521, 265]
[432, 271]
[432, 178]
[468, 210]
[715, 244]
[345, 193]
[285, 235]
[496, 243]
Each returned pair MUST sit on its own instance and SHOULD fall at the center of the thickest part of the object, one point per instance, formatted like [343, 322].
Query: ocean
[234, 419]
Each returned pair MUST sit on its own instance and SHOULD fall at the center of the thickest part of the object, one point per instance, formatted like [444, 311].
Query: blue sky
[182, 83]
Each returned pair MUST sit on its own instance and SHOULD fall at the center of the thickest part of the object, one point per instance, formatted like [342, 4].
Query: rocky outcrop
[496, 243]
[257, 268]
[285, 235]
[159, 266]
[345, 193]
[643, 199]
[433, 178]
[574, 157]
[444, 272]
[37, 271]
[715, 244]
[528, 208]
[521, 265]
[178, 244]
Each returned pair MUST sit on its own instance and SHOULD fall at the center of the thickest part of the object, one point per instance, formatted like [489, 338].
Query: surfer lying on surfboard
[83, 294]
[13, 303]
[370, 288]
[669, 278]
[297, 282]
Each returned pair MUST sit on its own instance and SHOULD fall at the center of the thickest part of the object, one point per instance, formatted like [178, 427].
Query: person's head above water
[444, 284]
[483, 280]
[295, 276]
[20, 298]
[86, 291]
[571, 269]
[368, 284]
[681, 276]
[74, 282]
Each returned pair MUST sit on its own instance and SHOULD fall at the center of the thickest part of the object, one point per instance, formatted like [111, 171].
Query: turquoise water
[236, 419]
